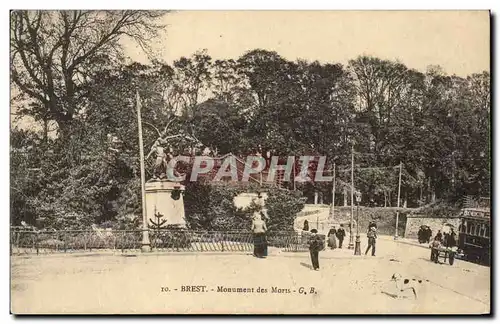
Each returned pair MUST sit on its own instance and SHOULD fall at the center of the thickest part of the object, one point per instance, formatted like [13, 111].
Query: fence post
[124, 235]
[36, 243]
[17, 241]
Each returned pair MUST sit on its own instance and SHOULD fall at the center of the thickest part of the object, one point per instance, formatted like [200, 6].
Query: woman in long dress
[259, 236]
[332, 241]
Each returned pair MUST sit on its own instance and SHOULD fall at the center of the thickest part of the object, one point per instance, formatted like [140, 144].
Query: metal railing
[168, 240]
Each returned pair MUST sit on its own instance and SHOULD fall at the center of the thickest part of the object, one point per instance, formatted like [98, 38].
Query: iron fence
[168, 240]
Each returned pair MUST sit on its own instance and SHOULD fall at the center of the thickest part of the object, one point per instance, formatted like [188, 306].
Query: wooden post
[333, 194]
[146, 245]
[399, 198]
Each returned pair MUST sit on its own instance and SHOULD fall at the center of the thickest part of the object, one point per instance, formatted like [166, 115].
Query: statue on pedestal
[162, 158]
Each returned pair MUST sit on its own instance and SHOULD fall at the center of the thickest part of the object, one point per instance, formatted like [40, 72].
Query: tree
[191, 78]
[55, 53]
[221, 127]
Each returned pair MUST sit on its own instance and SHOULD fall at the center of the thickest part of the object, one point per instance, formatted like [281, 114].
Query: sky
[458, 41]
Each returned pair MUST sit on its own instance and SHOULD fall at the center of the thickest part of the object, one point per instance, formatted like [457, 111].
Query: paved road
[345, 284]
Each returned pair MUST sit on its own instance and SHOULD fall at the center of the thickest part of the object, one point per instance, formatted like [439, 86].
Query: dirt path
[346, 283]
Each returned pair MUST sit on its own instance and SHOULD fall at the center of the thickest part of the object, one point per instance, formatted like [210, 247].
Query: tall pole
[357, 249]
[333, 194]
[399, 198]
[146, 245]
[351, 241]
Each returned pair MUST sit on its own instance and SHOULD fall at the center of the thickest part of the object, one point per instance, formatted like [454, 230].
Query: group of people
[316, 242]
[334, 235]
[446, 240]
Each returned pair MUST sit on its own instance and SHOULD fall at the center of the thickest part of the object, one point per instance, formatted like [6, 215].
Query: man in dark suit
[340, 235]
[316, 244]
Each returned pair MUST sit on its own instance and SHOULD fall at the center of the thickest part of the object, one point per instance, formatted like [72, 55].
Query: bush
[211, 207]
[282, 208]
[170, 239]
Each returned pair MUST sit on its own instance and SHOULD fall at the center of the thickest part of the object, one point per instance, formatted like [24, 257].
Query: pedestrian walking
[316, 244]
[372, 237]
[341, 235]
[332, 240]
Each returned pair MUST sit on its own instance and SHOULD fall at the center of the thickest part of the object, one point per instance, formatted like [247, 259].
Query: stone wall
[244, 199]
[413, 223]
[385, 217]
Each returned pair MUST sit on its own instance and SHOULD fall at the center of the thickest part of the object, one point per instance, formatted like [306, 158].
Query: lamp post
[357, 249]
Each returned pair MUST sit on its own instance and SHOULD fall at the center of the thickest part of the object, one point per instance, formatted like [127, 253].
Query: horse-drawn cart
[445, 253]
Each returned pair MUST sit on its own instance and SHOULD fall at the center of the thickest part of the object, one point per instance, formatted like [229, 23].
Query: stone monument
[165, 197]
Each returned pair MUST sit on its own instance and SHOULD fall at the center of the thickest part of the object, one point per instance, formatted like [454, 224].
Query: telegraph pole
[399, 198]
[351, 242]
[145, 244]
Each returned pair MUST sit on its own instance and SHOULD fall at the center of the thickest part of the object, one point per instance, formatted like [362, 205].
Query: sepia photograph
[250, 162]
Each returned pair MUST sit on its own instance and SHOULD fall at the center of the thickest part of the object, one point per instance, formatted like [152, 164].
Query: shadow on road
[428, 260]
[306, 265]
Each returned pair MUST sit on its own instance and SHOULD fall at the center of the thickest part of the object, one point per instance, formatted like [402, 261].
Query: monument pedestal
[159, 200]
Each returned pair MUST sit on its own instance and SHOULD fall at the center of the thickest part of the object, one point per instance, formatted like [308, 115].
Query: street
[180, 283]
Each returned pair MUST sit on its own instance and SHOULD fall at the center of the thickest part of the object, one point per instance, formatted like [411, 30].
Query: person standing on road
[341, 235]
[451, 239]
[435, 245]
[316, 244]
[306, 226]
[332, 241]
[259, 236]
[462, 229]
[372, 237]
[439, 236]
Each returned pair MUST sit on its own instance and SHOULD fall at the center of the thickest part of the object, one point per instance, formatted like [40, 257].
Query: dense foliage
[211, 207]
[82, 165]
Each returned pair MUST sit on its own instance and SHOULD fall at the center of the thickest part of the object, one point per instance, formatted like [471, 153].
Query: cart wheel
[451, 258]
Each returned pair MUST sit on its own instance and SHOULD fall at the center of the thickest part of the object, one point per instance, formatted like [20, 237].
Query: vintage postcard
[250, 162]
